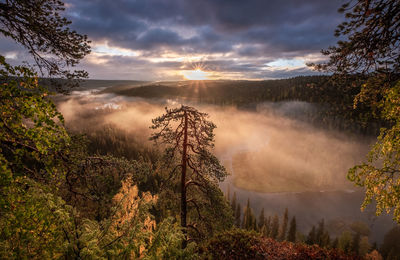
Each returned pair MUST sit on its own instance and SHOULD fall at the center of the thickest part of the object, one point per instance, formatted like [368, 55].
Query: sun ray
[198, 72]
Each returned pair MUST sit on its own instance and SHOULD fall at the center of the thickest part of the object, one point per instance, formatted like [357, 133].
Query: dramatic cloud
[149, 39]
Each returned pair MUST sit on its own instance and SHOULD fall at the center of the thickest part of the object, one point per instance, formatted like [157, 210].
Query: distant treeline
[334, 98]
[351, 238]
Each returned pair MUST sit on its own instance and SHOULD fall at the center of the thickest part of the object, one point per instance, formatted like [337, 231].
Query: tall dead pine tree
[188, 137]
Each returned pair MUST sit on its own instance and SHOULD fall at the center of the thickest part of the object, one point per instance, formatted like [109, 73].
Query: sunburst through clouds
[198, 71]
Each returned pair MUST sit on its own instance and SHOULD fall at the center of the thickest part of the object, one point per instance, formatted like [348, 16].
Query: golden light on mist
[196, 74]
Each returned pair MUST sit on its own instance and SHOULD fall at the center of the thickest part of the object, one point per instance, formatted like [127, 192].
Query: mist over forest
[274, 157]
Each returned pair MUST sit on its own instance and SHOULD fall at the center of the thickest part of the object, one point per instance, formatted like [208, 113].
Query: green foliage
[32, 222]
[33, 144]
[380, 175]
[371, 49]
[32, 135]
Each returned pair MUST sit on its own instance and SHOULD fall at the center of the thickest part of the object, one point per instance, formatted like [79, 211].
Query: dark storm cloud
[215, 25]
[234, 36]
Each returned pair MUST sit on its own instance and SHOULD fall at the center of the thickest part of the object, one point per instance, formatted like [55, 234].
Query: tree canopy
[372, 48]
[40, 27]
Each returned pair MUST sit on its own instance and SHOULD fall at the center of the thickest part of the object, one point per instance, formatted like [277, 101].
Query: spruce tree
[292, 230]
[275, 227]
[267, 225]
[282, 234]
[311, 238]
[238, 215]
[248, 218]
[261, 219]
[320, 233]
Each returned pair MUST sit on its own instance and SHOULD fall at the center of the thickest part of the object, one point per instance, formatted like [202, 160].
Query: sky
[200, 39]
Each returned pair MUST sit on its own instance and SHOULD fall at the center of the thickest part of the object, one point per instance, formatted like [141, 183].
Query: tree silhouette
[282, 234]
[188, 136]
[40, 27]
[292, 230]
[274, 227]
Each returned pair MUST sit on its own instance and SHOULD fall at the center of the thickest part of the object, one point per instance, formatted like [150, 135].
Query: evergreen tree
[267, 225]
[188, 136]
[238, 215]
[320, 233]
[292, 230]
[282, 233]
[311, 238]
[274, 227]
[261, 219]
[248, 217]
[41, 28]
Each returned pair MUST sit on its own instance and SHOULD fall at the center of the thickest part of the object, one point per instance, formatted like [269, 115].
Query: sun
[196, 74]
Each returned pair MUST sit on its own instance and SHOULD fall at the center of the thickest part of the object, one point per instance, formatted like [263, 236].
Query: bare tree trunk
[183, 184]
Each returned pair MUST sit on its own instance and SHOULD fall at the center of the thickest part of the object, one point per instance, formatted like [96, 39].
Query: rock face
[239, 244]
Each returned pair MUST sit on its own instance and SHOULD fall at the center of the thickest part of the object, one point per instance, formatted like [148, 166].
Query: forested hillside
[333, 99]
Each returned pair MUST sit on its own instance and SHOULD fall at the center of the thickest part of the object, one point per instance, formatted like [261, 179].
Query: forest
[75, 184]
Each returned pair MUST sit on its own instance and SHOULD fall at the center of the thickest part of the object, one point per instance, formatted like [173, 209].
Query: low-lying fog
[275, 161]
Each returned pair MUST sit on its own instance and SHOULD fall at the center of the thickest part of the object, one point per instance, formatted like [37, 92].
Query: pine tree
[188, 136]
[274, 227]
[248, 217]
[267, 225]
[238, 215]
[320, 233]
[261, 219]
[254, 222]
[311, 238]
[42, 29]
[282, 234]
[292, 230]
